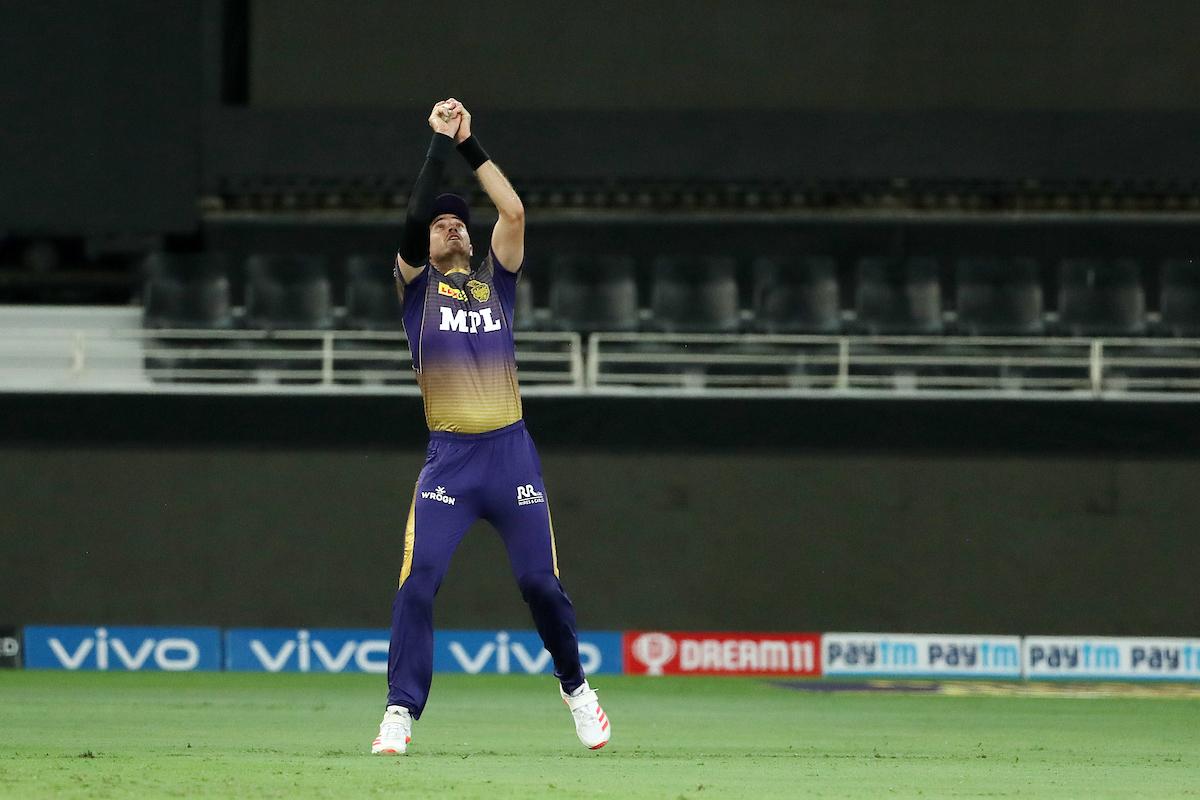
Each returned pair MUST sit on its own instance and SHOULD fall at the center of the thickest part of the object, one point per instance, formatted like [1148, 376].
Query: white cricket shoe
[591, 723]
[395, 732]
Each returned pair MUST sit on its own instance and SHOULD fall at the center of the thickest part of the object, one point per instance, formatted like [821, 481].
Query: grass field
[234, 735]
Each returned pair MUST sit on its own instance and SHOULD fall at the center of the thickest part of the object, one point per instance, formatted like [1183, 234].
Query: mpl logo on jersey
[306, 650]
[676, 653]
[506, 652]
[921, 656]
[1056, 657]
[465, 321]
[81, 647]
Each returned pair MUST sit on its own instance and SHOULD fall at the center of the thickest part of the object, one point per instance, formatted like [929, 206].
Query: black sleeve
[414, 245]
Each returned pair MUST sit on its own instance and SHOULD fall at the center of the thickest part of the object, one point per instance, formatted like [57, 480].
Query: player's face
[448, 237]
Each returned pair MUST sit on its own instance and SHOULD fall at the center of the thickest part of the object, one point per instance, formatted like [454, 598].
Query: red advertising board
[721, 653]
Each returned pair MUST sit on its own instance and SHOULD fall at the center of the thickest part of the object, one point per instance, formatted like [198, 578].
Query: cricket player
[481, 462]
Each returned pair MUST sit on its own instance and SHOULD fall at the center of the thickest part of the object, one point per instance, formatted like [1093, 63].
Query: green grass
[229, 735]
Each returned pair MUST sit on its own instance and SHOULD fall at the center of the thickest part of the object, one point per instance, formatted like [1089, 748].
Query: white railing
[684, 365]
[251, 361]
[894, 365]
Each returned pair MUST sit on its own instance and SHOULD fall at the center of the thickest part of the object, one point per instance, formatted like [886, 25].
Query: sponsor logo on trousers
[527, 495]
[439, 495]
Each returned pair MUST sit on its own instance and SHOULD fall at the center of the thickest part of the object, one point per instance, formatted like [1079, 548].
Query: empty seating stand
[288, 293]
[898, 296]
[371, 300]
[525, 317]
[999, 297]
[182, 291]
[1179, 301]
[1101, 298]
[186, 291]
[694, 294]
[797, 296]
[593, 293]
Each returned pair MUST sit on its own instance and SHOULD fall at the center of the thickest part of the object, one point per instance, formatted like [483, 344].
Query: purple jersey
[460, 332]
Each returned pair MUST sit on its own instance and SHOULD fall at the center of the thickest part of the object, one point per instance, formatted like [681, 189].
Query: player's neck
[452, 265]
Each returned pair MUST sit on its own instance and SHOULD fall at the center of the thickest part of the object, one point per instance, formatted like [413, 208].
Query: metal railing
[685, 365]
[251, 361]
[894, 365]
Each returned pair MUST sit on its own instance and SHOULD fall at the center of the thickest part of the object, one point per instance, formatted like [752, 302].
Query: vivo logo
[304, 650]
[130, 649]
[369, 656]
[505, 653]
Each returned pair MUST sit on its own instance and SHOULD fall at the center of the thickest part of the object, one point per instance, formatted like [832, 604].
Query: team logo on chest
[479, 290]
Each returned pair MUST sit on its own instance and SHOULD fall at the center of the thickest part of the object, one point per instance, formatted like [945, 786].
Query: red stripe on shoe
[597, 747]
[604, 727]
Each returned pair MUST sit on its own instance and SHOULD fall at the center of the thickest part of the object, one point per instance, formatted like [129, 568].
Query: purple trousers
[496, 476]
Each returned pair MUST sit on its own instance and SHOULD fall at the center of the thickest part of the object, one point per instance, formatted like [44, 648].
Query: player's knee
[539, 585]
[421, 584]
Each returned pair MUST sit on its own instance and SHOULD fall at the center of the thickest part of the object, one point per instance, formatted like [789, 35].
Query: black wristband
[473, 152]
[439, 147]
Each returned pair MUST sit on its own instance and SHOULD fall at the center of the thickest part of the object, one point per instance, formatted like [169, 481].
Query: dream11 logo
[654, 650]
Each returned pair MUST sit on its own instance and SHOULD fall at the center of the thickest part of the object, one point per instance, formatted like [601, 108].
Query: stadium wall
[1050, 518]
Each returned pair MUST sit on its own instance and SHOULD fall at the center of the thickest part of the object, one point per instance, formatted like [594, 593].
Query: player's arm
[414, 245]
[508, 237]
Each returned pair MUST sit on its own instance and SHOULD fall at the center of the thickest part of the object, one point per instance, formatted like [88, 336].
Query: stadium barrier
[808, 655]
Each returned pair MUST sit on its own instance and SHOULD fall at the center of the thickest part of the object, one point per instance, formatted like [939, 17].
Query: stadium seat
[288, 292]
[372, 303]
[691, 294]
[593, 293]
[186, 291]
[898, 296]
[1179, 301]
[524, 313]
[999, 297]
[1101, 298]
[796, 296]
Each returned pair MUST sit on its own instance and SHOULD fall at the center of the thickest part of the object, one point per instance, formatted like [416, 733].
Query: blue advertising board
[115, 648]
[506, 652]
[366, 650]
[306, 650]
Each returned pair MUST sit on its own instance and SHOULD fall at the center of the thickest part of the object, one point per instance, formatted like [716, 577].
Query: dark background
[131, 125]
[927, 516]
[121, 115]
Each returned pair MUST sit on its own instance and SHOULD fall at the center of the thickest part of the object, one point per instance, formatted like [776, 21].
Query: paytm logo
[302, 650]
[121, 648]
[506, 652]
[1112, 657]
[921, 655]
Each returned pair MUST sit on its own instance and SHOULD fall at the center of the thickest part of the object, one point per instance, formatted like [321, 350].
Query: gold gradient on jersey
[470, 399]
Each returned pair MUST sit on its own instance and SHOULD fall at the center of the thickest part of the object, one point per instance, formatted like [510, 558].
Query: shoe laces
[585, 711]
[393, 727]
